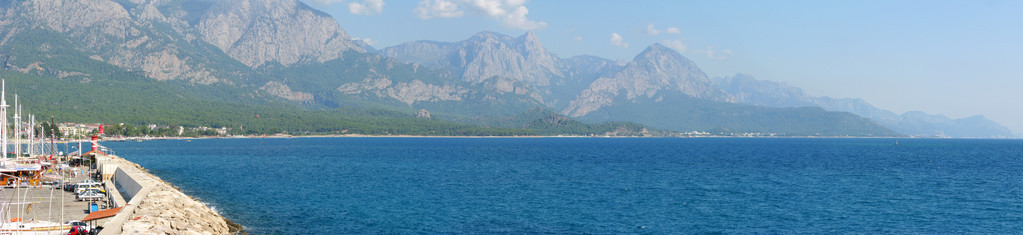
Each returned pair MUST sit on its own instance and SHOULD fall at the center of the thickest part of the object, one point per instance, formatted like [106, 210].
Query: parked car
[82, 187]
[78, 227]
[84, 183]
[93, 190]
[78, 230]
[90, 196]
[79, 190]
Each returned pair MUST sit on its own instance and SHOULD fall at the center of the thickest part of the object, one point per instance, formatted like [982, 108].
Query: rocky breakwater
[156, 207]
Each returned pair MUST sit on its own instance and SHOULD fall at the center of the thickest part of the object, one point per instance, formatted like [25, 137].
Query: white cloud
[577, 39]
[713, 54]
[517, 19]
[366, 40]
[326, 2]
[673, 30]
[652, 31]
[618, 41]
[369, 7]
[429, 9]
[678, 45]
[511, 13]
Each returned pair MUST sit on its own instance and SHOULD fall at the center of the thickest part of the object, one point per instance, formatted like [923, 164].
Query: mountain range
[747, 89]
[236, 58]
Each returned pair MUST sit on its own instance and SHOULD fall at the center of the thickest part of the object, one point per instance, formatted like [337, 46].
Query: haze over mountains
[270, 53]
[749, 90]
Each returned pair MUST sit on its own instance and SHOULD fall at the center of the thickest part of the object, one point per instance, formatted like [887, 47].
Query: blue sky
[958, 58]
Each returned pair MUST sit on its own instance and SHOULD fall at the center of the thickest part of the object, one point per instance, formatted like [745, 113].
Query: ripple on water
[598, 185]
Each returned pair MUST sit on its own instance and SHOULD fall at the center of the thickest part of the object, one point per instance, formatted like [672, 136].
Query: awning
[94, 153]
[102, 214]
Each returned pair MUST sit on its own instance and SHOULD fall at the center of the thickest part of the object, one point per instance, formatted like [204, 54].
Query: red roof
[97, 152]
[102, 214]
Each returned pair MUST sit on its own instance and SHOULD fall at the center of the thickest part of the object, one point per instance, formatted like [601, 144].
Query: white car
[80, 189]
[90, 196]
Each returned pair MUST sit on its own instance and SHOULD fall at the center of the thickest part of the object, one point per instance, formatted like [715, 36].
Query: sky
[956, 58]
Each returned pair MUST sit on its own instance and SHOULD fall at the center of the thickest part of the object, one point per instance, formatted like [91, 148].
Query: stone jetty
[152, 206]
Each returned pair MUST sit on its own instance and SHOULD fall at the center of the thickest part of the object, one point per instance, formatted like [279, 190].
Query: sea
[418, 185]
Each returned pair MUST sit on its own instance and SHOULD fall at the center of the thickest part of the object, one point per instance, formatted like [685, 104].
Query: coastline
[154, 206]
[520, 136]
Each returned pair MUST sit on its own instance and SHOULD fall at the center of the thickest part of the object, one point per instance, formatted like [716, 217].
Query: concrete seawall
[152, 206]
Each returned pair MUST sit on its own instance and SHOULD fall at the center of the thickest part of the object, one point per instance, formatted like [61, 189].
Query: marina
[50, 188]
[39, 185]
[46, 205]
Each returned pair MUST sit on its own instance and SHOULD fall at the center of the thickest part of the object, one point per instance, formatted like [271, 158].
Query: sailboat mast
[31, 133]
[53, 136]
[17, 127]
[19, 131]
[3, 117]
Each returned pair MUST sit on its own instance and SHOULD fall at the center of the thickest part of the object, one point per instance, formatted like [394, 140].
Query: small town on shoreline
[81, 131]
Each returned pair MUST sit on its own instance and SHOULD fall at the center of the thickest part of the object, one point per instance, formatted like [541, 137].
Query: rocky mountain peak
[657, 47]
[257, 32]
[81, 18]
[530, 46]
[662, 56]
[484, 56]
[490, 36]
[662, 66]
[530, 40]
[530, 36]
[656, 70]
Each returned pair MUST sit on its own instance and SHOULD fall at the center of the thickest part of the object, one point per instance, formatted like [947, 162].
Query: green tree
[49, 129]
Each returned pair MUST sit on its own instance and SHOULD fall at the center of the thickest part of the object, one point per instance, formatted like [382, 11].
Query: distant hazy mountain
[580, 72]
[663, 89]
[655, 71]
[282, 54]
[519, 65]
[484, 56]
[659, 87]
[749, 90]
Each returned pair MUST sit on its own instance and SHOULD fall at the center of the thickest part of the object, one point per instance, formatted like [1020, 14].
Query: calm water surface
[598, 185]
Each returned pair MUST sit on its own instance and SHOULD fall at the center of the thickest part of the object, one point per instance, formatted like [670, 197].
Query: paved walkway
[44, 203]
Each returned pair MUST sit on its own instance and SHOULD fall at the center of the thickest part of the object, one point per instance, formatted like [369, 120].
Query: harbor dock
[148, 205]
[42, 186]
[136, 202]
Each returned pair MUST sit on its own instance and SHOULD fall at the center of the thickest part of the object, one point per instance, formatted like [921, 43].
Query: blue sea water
[598, 185]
